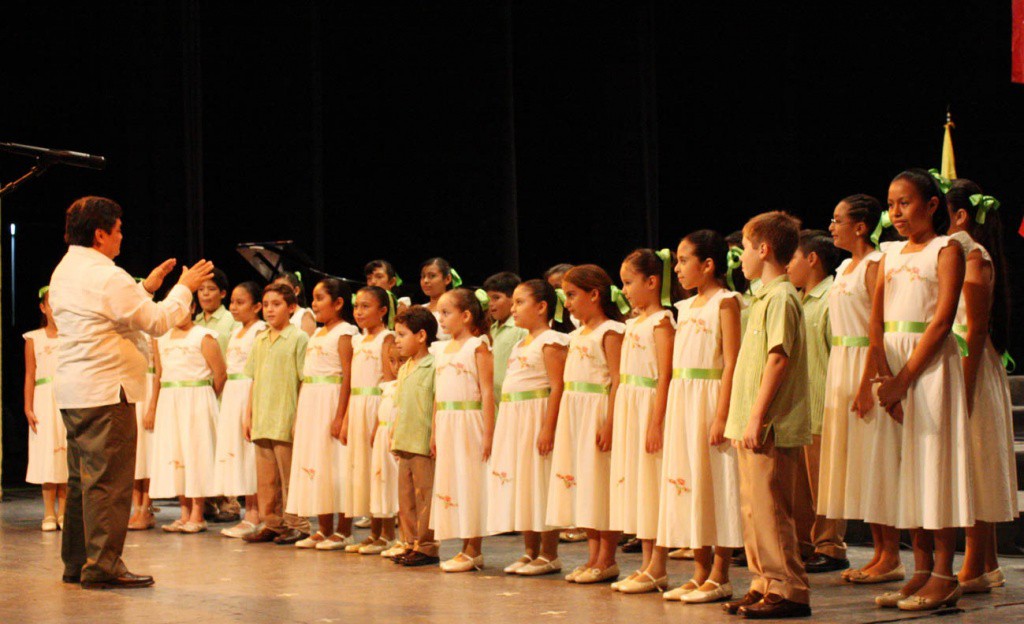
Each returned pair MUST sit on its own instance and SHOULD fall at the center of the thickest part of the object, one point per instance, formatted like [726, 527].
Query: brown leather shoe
[773, 607]
[125, 581]
[290, 536]
[263, 535]
[752, 597]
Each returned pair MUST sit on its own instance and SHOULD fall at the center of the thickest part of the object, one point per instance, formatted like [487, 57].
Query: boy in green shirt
[504, 333]
[810, 270]
[415, 330]
[275, 365]
[768, 422]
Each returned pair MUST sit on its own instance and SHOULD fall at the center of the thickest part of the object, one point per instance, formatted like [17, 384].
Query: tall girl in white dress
[192, 373]
[235, 471]
[436, 278]
[463, 427]
[860, 442]
[383, 463]
[142, 517]
[699, 505]
[313, 483]
[47, 438]
[982, 323]
[580, 463]
[517, 486]
[922, 385]
[302, 317]
[374, 311]
[645, 372]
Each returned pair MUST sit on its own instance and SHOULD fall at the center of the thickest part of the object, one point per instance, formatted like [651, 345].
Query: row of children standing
[685, 429]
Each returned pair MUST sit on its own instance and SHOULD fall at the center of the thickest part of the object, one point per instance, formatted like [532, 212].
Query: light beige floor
[209, 579]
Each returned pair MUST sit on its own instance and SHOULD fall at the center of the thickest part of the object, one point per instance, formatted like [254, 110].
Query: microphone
[56, 157]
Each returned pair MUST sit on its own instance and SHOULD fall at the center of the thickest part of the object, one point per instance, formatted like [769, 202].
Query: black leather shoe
[818, 563]
[632, 546]
[752, 597]
[125, 581]
[263, 535]
[227, 516]
[401, 557]
[775, 607]
[739, 557]
[417, 559]
[290, 536]
[72, 578]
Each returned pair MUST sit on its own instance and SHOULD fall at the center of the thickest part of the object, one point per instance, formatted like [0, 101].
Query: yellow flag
[948, 161]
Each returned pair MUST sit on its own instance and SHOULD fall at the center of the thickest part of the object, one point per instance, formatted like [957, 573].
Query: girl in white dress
[922, 384]
[436, 278]
[699, 505]
[142, 517]
[645, 372]
[860, 443]
[47, 438]
[383, 464]
[578, 494]
[235, 471]
[313, 483]
[517, 486]
[982, 324]
[374, 312]
[302, 317]
[191, 370]
[463, 426]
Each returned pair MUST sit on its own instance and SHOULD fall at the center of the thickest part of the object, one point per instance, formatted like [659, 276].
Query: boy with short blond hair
[769, 422]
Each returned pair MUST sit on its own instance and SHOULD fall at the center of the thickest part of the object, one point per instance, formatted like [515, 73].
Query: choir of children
[868, 389]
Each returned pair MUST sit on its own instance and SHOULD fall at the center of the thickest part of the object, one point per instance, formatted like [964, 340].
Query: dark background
[501, 135]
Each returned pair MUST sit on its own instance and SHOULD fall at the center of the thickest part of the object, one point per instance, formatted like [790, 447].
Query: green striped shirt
[819, 343]
[503, 338]
[275, 365]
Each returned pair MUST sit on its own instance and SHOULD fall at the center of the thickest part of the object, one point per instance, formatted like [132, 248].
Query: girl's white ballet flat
[643, 583]
[996, 578]
[513, 567]
[336, 542]
[311, 541]
[375, 548]
[616, 584]
[682, 590]
[49, 524]
[571, 577]
[977, 585]
[597, 575]
[721, 591]
[540, 566]
[463, 563]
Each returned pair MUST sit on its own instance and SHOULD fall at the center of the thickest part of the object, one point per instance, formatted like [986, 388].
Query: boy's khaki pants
[415, 490]
[817, 534]
[273, 469]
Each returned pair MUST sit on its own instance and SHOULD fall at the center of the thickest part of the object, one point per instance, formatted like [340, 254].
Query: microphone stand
[37, 170]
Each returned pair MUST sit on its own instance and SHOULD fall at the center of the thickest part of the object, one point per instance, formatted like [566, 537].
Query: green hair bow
[298, 276]
[942, 180]
[398, 280]
[43, 291]
[559, 305]
[481, 296]
[619, 299]
[666, 272]
[391, 310]
[983, 203]
[456, 280]
[732, 262]
[883, 222]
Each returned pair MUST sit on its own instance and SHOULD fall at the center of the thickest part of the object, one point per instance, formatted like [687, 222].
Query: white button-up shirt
[101, 314]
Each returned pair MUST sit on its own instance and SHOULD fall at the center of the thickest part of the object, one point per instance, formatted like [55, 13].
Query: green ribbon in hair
[883, 222]
[398, 280]
[456, 279]
[298, 276]
[559, 305]
[1008, 362]
[666, 272]
[353, 300]
[942, 180]
[983, 203]
[481, 296]
[391, 310]
[732, 262]
[43, 291]
[619, 299]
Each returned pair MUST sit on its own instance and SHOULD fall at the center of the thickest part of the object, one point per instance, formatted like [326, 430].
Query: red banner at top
[1017, 45]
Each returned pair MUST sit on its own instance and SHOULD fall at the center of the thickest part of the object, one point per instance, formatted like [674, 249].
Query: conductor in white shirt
[102, 316]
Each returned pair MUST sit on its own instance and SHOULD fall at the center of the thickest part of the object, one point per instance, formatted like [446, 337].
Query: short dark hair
[373, 265]
[780, 230]
[504, 282]
[88, 214]
[562, 269]
[417, 319]
[220, 278]
[820, 243]
[286, 292]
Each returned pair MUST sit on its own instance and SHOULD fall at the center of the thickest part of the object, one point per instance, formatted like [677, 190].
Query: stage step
[1018, 422]
[1017, 389]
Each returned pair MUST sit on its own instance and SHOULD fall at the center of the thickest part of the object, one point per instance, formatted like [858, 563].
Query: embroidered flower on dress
[680, 485]
[447, 501]
[567, 479]
[581, 352]
[839, 287]
[915, 273]
[700, 325]
[177, 464]
[60, 449]
[502, 476]
[310, 472]
[634, 341]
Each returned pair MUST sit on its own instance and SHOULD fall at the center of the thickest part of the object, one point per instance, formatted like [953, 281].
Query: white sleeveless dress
[367, 375]
[299, 314]
[700, 484]
[517, 486]
[459, 507]
[935, 489]
[144, 445]
[384, 465]
[990, 427]
[312, 486]
[235, 472]
[48, 444]
[860, 457]
[578, 492]
[185, 432]
[635, 481]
